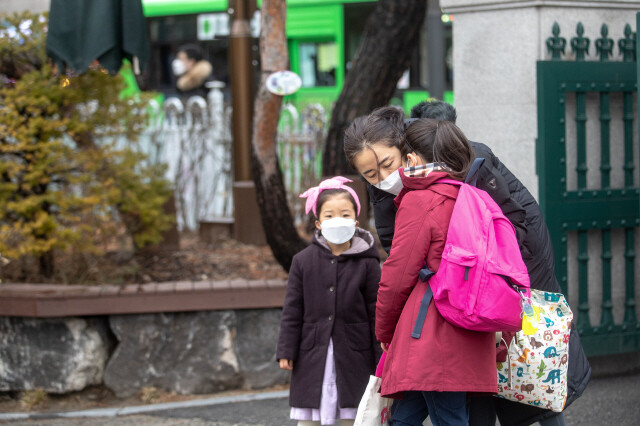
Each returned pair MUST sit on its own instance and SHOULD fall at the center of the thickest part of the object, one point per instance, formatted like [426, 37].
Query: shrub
[66, 178]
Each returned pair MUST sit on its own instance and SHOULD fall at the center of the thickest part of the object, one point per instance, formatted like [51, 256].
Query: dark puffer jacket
[523, 211]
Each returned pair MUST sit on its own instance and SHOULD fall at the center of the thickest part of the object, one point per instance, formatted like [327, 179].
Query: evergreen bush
[66, 178]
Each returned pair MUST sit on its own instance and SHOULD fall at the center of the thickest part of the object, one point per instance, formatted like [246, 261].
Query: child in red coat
[434, 372]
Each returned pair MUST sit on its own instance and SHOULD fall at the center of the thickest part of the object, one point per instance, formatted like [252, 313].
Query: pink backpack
[482, 280]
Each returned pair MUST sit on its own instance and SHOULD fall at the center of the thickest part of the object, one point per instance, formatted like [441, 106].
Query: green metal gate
[585, 208]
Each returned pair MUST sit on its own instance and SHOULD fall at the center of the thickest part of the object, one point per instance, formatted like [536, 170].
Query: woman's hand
[286, 364]
[384, 346]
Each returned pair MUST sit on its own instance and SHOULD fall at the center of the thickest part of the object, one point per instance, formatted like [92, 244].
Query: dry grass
[33, 398]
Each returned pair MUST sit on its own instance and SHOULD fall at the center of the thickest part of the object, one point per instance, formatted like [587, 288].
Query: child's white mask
[338, 230]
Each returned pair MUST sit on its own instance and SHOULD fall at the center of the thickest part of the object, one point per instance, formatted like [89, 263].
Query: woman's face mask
[377, 162]
[392, 184]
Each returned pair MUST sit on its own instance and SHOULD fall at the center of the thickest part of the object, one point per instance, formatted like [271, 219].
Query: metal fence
[587, 159]
[194, 140]
[300, 144]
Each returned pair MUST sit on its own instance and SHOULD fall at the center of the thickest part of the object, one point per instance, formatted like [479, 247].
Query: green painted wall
[316, 23]
[322, 2]
[307, 20]
[183, 7]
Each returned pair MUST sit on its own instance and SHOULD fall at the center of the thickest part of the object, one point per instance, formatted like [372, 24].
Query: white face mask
[178, 67]
[338, 230]
[392, 184]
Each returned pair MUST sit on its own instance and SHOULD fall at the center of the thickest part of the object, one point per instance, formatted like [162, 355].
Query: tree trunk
[46, 264]
[390, 38]
[277, 221]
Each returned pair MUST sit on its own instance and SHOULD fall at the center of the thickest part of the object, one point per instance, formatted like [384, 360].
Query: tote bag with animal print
[535, 371]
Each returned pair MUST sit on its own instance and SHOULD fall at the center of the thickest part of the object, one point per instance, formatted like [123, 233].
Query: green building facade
[322, 37]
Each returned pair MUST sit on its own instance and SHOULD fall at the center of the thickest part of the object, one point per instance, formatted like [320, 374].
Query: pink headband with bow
[337, 182]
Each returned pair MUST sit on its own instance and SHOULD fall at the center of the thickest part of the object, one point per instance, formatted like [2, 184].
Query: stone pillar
[496, 46]
[35, 6]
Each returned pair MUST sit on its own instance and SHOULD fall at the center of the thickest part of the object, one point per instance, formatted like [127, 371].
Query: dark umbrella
[81, 31]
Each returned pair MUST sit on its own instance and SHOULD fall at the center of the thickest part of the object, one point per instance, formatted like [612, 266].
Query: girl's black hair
[328, 193]
[438, 141]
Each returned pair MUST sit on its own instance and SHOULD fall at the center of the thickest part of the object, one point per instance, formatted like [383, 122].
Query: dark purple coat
[331, 297]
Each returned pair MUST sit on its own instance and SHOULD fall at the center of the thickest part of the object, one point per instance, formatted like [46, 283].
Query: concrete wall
[496, 46]
[11, 6]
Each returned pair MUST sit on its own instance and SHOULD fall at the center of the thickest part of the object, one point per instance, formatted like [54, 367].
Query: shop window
[318, 63]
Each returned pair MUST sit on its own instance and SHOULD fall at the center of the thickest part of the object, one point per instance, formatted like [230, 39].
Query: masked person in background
[191, 70]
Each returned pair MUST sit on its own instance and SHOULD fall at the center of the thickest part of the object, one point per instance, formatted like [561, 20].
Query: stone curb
[140, 409]
[53, 300]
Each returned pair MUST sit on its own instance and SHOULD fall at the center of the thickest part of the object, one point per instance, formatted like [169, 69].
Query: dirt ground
[94, 397]
[194, 261]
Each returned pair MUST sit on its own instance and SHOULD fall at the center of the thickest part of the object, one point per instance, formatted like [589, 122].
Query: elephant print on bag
[552, 297]
[554, 376]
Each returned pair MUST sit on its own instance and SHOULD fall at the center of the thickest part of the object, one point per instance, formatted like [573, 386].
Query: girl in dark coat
[327, 327]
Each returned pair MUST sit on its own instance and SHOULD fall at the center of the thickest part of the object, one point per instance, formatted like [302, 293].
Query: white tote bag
[374, 410]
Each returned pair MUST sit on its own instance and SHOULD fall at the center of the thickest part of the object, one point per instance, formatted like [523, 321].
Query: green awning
[81, 31]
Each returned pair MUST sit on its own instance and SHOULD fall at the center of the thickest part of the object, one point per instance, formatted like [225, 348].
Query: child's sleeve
[409, 250]
[370, 297]
[292, 315]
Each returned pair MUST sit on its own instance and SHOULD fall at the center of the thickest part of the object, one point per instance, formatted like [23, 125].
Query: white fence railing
[194, 140]
[300, 144]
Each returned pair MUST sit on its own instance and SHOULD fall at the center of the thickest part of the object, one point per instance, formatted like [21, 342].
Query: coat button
[330, 317]
[331, 288]
[333, 261]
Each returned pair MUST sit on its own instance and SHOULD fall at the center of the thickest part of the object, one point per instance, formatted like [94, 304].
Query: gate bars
[585, 209]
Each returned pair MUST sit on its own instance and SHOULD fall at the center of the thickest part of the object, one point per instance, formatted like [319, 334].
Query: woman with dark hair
[383, 133]
[434, 372]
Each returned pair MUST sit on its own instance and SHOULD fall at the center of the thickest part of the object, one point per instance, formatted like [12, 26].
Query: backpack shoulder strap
[472, 176]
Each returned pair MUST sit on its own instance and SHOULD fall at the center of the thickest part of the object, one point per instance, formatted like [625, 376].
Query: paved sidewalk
[607, 401]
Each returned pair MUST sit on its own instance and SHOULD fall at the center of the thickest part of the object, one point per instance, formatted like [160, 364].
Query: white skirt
[329, 411]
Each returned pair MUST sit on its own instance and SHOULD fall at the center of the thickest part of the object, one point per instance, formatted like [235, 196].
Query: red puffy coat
[445, 357]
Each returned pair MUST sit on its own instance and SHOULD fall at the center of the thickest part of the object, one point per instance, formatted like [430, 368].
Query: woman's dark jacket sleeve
[384, 214]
